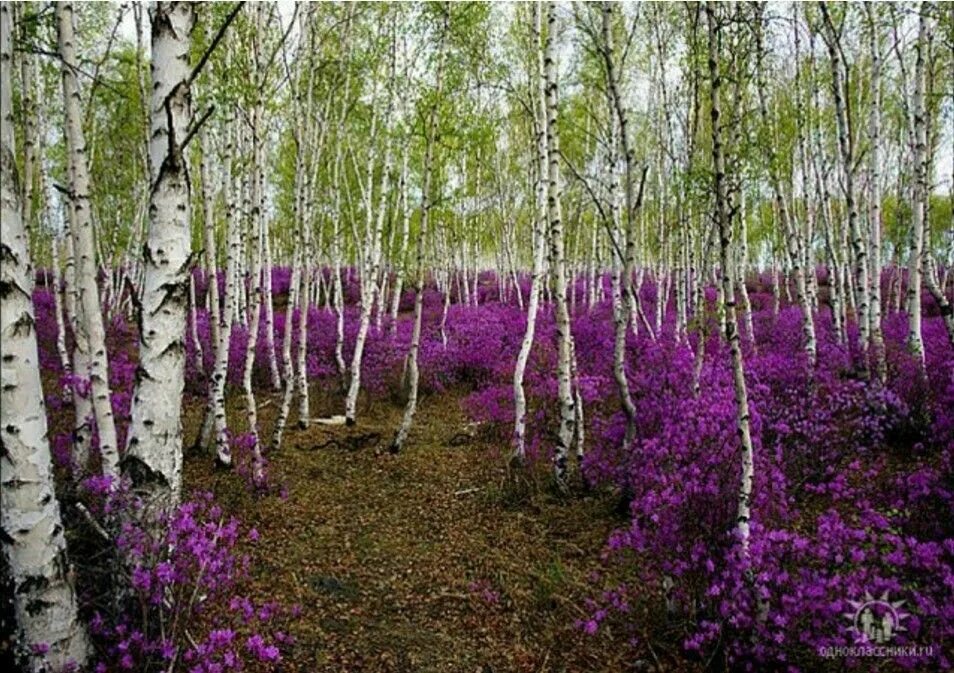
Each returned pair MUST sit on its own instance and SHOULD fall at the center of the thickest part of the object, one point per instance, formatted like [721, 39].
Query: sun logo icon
[876, 620]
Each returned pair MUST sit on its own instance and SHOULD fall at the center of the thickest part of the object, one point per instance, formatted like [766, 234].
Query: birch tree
[875, 157]
[790, 229]
[568, 415]
[921, 161]
[847, 153]
[32, 531]
[620, 123]
[89, 312]
[431, 139]
[538, 240]
[154, 451]
[724, 228]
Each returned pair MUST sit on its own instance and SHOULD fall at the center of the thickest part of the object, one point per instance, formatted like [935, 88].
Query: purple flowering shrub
[852, 497]
[852, 492]
[165, 581]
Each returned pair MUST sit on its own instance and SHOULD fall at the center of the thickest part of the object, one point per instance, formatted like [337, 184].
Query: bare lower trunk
[402, 251]
[223, 453]
[251, 406]
[288, 373]
[622, 281]
[58, 308]
[937, 291]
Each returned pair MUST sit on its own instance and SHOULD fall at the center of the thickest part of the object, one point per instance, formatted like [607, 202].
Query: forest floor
[424, 561]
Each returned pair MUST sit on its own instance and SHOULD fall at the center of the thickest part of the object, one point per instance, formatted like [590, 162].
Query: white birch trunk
[921, 191]
[33, 544]
[847, 154]
[431, 136]
[937, 291]
[58, 308]
[81, 229]
[223, 452]
[731, 324]
[401, 259]
[194, 325]
[288, 373]
[538, 239]
[874, 196]
[554, 193]
[209, 429]
[622, 282]
[269, 311]
[251, 406]
[82, 404]
[154, 450]
[372, 265]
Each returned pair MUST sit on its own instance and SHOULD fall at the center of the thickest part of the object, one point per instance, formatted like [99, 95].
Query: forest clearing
[531, 337]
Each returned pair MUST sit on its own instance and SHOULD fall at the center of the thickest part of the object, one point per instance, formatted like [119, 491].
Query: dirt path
[416, 562]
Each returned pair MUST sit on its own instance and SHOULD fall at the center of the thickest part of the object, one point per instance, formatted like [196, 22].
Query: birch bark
[568, 413]
[33, 543]
[431, 137]
[921, 187]
[725, 245]
[90, 314]
[154, 450]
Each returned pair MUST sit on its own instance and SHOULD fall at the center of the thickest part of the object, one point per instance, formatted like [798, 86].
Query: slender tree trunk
[538, 239]
[725, 244]
[937, 291]
[91, 316]
[623, 283]
[31, 135]
[251, 406]
[223, 452]
[338, 303]
[82, 404]
[846, 151]
[874, 197]
[194, 325]
[743, 265]
[58, 307]
[212, 291]
[554, 194]
[789, 227]
[33, 544]
[431, 138]
[372, 266]
[288, 373]
[402, 251]
[268, 307]
[921, 189]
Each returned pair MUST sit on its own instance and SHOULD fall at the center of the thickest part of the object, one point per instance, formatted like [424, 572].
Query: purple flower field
[852, 489]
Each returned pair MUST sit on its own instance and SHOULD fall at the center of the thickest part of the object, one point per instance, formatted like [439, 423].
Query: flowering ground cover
[346, 557]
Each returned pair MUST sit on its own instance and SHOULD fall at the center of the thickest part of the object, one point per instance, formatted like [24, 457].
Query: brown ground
[380, 551]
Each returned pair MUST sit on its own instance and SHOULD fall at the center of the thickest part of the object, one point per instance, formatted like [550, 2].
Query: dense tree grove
[695, 258]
